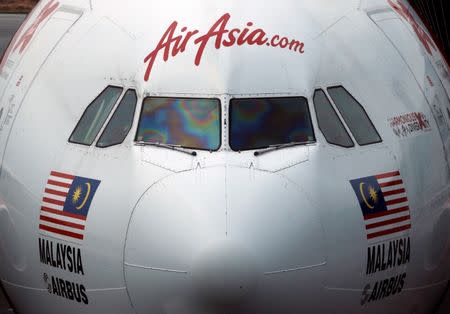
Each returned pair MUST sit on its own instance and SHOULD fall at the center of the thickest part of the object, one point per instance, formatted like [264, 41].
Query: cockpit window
[354, 116]
[329, 122]
[95, 116]
[121, 121]
[257, 123]
[186, 122]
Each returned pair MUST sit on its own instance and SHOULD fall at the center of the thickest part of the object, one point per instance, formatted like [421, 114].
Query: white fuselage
[224, 231]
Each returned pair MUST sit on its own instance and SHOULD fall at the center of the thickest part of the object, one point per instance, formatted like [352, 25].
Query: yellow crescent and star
[77, 195]
[373, 195]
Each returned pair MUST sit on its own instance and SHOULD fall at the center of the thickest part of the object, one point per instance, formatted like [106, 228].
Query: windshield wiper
[176, 147]
[271, 148]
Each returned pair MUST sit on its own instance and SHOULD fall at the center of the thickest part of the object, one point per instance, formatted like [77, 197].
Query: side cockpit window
[95, 116]
[354, 116]
[329, 122]
[120, 124]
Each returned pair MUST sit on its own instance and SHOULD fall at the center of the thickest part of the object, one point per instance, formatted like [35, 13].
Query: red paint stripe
[388, 231]
[396, 201]
[62, 175]
[387, 212]
[393, 192]
[390, 183]
[62, 232]
[388, 174]
[16, 37]
[62, 222]
[52, 201]
[387, 222]
[57, 183]
[55, 192]
[60, 212]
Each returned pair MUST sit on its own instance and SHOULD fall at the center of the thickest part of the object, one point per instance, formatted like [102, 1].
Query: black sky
[435, 14]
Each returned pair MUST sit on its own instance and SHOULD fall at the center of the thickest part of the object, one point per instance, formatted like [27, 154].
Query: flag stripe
[62, 175]
[388, 231]
[57, 183]
[390, 183]
[396, 201]
[393, 192]
[55, 192]
[388, 174]
[68, 219]
[388, 212]
[52, 201]
[60, 212]
[62, 222]
[62, 232]
[387, 222]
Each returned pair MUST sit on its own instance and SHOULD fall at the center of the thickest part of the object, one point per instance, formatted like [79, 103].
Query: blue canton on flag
[369, 195]
[80, 194]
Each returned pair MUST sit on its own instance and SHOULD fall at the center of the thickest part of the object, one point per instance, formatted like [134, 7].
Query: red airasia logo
[424, 38]
[170, 45]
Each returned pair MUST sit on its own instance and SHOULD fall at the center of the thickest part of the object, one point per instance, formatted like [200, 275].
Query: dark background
[17, 6]
[435, 14]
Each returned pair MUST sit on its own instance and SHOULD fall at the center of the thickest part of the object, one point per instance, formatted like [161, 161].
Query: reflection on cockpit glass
[263, 122]
[189, 123]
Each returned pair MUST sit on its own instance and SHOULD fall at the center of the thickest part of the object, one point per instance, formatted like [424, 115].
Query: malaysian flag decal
[65, 206]
[384, 204]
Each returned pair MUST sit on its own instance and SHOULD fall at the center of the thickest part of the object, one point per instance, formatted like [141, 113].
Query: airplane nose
[223, 240]
[223, 274]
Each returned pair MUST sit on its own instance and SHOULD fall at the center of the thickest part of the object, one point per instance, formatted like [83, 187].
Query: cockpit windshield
[257, 123]
[185, 122]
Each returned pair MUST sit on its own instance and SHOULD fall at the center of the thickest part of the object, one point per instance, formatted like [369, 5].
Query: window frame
[338, 116]
[111, 116]
[190, 98]
[363, 109]
[106, 120]
[230, 122]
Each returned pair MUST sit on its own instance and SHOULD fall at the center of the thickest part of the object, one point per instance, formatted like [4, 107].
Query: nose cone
[224, 274]
[223, 240]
